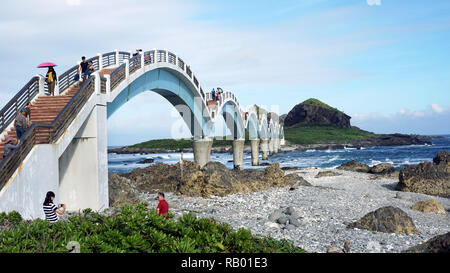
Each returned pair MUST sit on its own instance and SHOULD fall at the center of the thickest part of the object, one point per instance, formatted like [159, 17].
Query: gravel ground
[324, 211]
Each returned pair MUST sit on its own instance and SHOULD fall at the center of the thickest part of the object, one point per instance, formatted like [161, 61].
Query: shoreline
[411, 140]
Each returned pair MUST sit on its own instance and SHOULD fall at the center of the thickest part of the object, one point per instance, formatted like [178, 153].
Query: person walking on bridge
[83, 68]
[91, 68]
[21, 123]
[51, 79]
[213, 94]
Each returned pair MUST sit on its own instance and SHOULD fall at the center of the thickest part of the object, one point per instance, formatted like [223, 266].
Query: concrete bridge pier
[271, 146]
[83, 167]
[202, 151]
[265, 149]
[255, 151]
[238, 153]
[276, 146]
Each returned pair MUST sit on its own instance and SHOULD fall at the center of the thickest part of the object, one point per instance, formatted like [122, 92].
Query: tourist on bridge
[91, 68]
[50, 209]
[28, 114]
[21, 123]
[138, 51]
[10, 146]
[163, 206]
[213, 94]
[218, 96]
[83, 68]
[51, 80]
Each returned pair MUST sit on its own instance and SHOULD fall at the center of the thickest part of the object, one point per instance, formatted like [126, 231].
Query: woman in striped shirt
[51, 209]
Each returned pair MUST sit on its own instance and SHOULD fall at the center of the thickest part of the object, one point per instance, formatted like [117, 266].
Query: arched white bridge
[65, 149]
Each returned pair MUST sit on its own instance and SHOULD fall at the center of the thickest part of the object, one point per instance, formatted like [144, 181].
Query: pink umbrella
[46, 65]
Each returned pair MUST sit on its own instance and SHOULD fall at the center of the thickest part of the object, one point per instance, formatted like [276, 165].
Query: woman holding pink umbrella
[50, 77]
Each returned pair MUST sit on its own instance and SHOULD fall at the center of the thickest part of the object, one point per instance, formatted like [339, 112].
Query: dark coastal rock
[426, 178]
[121, 191]
[314, 112]
[392, 140]
[213, 179]
[388, 220]
[442, 160]
[327, 174]
[354, 166]
[382, 168]
[429, 206]
[437, 244]
[146, 161]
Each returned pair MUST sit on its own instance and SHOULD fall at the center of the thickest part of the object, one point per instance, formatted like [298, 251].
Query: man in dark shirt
[84, 68]
[163, 207]
[21, 123]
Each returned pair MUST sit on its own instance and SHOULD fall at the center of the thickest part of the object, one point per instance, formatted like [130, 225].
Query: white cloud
[374, 2]
[73, 2]
[437, 108]
[434, 120]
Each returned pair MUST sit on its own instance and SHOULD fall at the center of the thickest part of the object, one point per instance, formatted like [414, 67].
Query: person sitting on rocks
[163, 206]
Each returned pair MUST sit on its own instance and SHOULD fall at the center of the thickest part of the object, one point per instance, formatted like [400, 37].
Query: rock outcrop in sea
[355, 166]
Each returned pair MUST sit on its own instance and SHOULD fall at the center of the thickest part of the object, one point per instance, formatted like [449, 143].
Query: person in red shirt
[163, 206]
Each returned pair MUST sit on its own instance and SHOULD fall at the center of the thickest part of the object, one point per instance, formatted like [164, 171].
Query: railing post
[142, 59]
[167, 55]
[117, 56]
[108, 84]
[97, 82]
[100, 61]
[127, 68]
[155, 55]
[41, 86]
[176, 60]
[56, 89]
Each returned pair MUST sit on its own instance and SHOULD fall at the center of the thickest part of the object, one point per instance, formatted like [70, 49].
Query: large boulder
[213, 179]
[327, 174]
[121, 191]
[382, 168]
[437, 244]
[354, 166]
[426, 178]
[387, 219]
[429, 206]
[442, 160]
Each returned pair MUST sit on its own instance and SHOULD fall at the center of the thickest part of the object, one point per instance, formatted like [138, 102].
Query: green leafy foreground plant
[132, 229]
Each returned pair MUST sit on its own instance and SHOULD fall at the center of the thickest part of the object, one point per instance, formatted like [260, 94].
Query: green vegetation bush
[132, 229]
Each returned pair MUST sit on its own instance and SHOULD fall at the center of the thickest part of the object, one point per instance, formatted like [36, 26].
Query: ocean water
[398, 156]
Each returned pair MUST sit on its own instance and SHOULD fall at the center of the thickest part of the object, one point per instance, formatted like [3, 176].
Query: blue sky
[386, 64]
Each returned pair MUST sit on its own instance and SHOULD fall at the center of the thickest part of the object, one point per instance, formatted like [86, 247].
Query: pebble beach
[323, 211]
